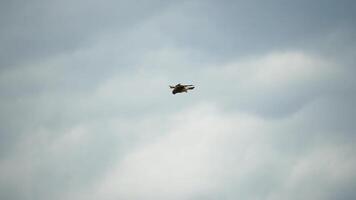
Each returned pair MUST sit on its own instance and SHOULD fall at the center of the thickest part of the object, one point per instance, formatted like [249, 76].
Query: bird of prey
[179, 88]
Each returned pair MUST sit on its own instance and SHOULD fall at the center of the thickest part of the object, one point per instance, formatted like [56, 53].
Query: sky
[87, 113]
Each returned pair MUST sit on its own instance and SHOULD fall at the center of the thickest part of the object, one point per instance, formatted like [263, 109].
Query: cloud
[87, 112]
[127, 138]
[36, 30]
[238, 28]
[206, 153]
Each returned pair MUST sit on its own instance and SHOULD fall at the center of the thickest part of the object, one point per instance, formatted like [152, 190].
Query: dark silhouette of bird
[179, 88]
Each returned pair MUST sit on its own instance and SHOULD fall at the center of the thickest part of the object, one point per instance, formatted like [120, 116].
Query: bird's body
[179, 88]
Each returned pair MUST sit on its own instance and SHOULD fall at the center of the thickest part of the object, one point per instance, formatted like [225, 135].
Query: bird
[179, 88]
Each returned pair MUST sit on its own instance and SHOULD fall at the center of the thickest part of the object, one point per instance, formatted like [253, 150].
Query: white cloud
[208, 153]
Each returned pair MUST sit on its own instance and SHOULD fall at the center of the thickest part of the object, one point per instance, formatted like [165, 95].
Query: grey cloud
[237, 28]
[37, 29]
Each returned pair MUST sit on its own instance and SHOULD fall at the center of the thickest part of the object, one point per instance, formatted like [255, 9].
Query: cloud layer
[86, 112]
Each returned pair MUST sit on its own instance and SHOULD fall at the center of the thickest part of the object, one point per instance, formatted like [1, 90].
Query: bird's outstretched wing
[172, 87]
[189, 87]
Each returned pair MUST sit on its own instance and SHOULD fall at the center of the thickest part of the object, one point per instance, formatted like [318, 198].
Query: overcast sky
[86, 111]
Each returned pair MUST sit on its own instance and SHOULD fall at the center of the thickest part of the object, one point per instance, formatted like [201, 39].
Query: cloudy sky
[86, 111]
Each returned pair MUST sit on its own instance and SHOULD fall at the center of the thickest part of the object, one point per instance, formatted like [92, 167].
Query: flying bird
[179, 88]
